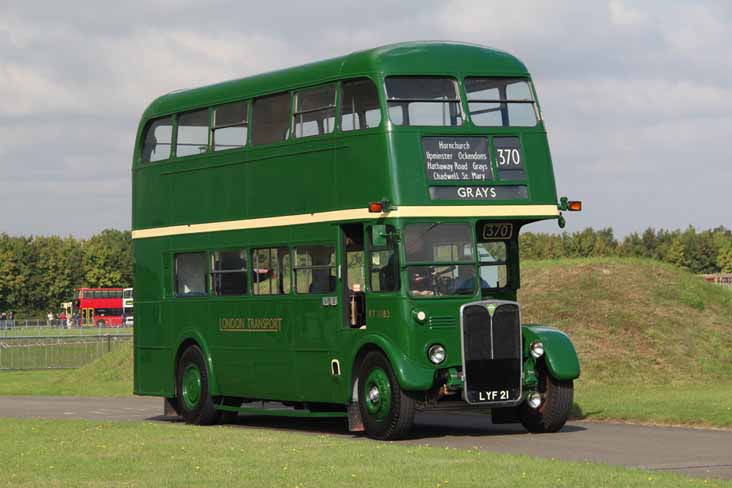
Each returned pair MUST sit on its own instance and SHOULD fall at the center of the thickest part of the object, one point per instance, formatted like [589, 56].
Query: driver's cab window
[440, 260]
[384, 262]
[493, 268]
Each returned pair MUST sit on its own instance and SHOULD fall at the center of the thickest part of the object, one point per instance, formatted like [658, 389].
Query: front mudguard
[560, 355]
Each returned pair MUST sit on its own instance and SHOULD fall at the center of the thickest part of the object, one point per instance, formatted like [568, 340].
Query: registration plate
[493, 395]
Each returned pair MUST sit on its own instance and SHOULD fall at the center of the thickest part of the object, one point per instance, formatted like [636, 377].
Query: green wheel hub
[377, 394]
[191, 386]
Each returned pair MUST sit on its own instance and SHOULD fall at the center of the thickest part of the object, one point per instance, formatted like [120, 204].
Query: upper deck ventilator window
[315, 111]
[431, 101]
[359, 105]
[500, 102]
[229, 129]
[192, 133]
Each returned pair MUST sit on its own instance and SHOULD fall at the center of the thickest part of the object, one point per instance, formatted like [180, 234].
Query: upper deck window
[157, 140]
[229, 129]
[271, 121]
[423, 101]
[359, 105]
[500, 102]
[314, 111]
[192, 133]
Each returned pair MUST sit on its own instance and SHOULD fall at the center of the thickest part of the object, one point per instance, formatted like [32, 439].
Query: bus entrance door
[87, 317]
[353, 276]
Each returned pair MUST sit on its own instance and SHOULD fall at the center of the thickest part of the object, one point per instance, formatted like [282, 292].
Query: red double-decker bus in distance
[99, 307]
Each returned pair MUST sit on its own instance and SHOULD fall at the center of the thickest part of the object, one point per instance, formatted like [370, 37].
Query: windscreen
[440, 259]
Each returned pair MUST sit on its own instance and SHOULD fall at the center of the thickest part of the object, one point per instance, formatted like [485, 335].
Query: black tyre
[387, 410]
[228, 417]
[557, 397]
[192, 390]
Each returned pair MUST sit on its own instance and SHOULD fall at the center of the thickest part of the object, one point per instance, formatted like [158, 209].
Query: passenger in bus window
[323, 280]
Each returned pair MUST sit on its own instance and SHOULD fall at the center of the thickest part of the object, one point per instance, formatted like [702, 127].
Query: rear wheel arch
[184, 343]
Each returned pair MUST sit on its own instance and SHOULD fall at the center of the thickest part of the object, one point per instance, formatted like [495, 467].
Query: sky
[636, 96]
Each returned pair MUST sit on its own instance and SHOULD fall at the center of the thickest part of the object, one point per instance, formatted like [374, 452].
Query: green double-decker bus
[340, 239]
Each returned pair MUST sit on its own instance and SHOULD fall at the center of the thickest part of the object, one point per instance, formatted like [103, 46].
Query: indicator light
[574, 206]
[376, 207]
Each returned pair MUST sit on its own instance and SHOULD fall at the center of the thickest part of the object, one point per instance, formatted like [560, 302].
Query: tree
[59, 268]
[724, 259]
[676, 253]
[107, 259]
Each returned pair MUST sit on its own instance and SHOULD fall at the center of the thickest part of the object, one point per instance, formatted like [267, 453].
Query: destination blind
[457, 159]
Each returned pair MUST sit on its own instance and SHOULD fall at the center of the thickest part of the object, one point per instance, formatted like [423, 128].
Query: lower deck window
[190, 274]
[271, 271]
[228, 273]
[315, 270]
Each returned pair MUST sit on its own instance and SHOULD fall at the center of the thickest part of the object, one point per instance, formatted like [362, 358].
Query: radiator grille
[492, 352]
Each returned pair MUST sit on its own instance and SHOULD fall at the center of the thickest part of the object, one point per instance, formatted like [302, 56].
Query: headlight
[420, 316]
[536, 349]
[436, 353]
[534, 400]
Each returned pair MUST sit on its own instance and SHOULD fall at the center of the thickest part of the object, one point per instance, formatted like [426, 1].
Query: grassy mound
[632, 320]
[110, 375]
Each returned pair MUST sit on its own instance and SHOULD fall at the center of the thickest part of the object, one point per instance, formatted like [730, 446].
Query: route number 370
[509, 157]
[497, 231]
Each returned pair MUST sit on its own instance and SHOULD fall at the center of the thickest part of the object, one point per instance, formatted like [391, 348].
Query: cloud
[635, 95]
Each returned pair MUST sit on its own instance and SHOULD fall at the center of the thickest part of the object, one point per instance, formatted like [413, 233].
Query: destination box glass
[457, 159]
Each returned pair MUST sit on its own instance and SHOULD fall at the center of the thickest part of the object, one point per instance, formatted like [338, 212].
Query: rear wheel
[192, 389]
[556, 403]
[387, 411]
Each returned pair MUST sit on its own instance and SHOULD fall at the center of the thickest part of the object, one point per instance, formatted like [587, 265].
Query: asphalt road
[693, 452]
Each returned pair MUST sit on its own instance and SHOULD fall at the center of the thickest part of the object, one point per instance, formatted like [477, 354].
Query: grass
[701, 405]
[61, 331]
[22, 353]
[634, 321]
[83, 453]
[110, 375]
[654, 341]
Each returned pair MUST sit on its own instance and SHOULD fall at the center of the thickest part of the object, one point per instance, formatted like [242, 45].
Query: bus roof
[407, 58]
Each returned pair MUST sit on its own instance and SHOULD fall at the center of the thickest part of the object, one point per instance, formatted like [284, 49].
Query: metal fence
[26, 345]
[719, 279]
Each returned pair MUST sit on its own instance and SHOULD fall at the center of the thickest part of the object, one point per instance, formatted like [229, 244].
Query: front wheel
[556, 403]
[192, 389]
[387, 411]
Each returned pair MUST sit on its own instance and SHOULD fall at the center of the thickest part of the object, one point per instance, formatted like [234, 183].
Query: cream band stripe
[353, 214]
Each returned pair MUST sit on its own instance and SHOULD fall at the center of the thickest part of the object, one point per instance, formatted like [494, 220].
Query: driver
[420, 279]
[466, 282]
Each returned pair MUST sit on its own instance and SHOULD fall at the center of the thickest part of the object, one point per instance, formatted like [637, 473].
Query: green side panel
[146, 362]
[559, 353]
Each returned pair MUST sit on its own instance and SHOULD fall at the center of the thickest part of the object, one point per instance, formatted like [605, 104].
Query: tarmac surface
[693, 452]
